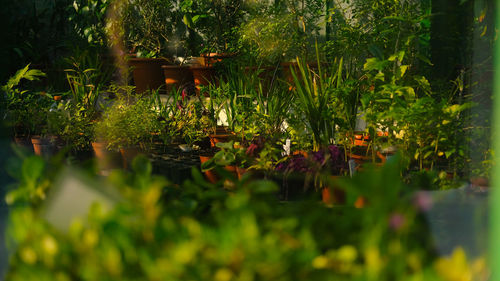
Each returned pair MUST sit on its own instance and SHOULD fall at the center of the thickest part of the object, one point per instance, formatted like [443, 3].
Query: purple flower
[396, 221]
[298, 164]
[422, 201]
[318, 157]
[281, 166]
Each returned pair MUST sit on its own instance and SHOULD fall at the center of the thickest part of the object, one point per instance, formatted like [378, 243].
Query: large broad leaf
[374, 64]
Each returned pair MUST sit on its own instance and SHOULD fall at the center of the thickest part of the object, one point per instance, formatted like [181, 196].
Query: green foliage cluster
[423, 124]
[25, 110]
[128, 122]
[88, 19]
[200, 231]
[276, 30]
[150, 28]
[213, 24]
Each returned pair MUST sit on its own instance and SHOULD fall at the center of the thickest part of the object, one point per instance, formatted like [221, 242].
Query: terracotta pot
[212, 58]
[360, 202]
[361, 139]
[42, 146]
[333, 195]
[128, 155]
[214, 139]
[100, 149]
[221, 135]
[106, 159]
[203, 76]
[147, 74]
[177, 77]
[240, 171]
[211, 176]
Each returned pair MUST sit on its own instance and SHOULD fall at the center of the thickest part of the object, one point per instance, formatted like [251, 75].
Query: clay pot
[333, 195]
[361, 140]
[211, 176]
[42, 146]
[147, 74]
[177, 76]
[203, 76]
[106, 159]
[221, 135]
[240, 171]
[211, 58]
[128, 155]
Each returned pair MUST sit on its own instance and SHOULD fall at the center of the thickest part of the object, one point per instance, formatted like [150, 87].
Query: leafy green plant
[152, 28]
[402, 104]
[228, 155]
[161, 230]
[25, 110]
[281, 30]
[88, 19]
[359, 29]
[127, 123]
[86, 77]
[215, 22]
[73, 124]
[313, 95]
[271, 110]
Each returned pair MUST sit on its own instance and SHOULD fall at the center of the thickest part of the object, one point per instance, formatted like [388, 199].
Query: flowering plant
[329, 161]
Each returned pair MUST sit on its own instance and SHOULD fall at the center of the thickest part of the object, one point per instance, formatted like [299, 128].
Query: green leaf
[32, 169]
[374, 64]
[449, 153]
[188, 21]
[427, 154]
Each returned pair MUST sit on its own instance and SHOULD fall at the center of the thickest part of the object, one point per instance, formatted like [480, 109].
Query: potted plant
[127, 126]
[228, 157]
[154, 34]
[20, 105]
[279, 32]
[212, 25]
[321, 167]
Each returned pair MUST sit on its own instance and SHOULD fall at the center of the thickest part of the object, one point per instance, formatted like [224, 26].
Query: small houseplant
[127, 126]
[19, 104]
[315, 166]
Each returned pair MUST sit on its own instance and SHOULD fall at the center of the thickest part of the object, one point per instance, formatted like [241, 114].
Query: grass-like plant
[313, 90]
[127, 123]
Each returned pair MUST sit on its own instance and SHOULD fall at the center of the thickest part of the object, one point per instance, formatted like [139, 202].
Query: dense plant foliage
[341, 95]
[198, 230]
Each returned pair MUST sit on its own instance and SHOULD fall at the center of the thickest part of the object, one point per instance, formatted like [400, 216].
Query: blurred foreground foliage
[203, 231]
